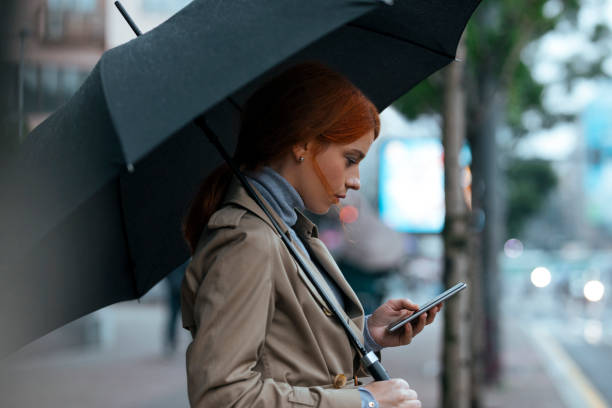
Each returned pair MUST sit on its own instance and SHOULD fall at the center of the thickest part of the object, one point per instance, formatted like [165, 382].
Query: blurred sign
[411, 184]
[411, 180]
[597, 124]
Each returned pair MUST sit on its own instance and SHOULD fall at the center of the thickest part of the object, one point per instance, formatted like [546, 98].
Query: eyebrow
[358, 152]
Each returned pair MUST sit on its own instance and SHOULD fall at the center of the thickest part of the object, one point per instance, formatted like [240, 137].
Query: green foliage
[426, 97]
[601, 33]
[495, 38]
[524, 94]
[529, 183]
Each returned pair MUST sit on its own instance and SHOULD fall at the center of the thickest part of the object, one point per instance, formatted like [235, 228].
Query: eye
[350, 161]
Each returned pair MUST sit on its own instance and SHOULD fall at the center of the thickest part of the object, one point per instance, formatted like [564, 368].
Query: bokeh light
[540, 277]
[331, 238]
[593, 331]
[513, 248]
[349, 214]
[594, 290]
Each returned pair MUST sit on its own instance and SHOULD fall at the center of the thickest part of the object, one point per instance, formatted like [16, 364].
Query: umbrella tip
[130, 167]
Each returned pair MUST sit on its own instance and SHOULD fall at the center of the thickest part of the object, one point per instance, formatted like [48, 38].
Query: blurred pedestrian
[262, 335]
[173, 303]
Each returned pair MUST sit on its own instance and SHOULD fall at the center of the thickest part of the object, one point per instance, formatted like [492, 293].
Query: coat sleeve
[232, 307]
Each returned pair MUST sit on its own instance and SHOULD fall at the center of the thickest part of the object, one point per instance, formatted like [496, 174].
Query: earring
[301, 159]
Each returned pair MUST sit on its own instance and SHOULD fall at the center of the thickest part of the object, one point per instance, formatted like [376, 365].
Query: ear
[301, 150]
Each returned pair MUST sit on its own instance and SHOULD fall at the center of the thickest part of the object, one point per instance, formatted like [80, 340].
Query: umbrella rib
[234, 103]
[132, 264]
[441, 53]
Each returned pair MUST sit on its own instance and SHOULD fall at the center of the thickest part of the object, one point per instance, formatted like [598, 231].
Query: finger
[431, 315]
[412, 404]
[400, 383]
[406, 336]
[399, 304]
[420, 324]
[437, 308]
[410, 394]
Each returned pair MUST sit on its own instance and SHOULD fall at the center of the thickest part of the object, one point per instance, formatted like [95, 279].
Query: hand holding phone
[427, 306]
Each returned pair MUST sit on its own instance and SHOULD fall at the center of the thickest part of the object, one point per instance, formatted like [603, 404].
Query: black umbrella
[93, 203]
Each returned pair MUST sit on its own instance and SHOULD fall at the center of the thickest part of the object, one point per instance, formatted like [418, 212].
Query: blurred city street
[495, 171]
[129, 368]
[548, 362]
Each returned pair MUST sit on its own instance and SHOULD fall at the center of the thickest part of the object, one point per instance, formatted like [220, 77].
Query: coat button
[340, 381]
[371, 404]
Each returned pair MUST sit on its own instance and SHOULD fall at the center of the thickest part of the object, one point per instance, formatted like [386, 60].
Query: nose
[353, 182]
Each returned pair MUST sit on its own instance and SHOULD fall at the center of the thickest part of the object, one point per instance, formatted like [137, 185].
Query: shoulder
[235, 254]
[228, 216]
[235, 219]
[235, 240]
[233, 227]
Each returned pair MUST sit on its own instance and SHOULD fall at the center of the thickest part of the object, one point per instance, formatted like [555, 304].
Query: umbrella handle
[375, 368]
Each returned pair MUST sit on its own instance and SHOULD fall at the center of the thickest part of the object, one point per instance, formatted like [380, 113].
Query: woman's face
[339, 166]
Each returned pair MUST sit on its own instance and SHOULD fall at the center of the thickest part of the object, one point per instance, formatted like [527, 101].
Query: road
[578, 355]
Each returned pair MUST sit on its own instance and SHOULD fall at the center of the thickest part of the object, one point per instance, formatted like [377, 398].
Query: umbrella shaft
[129, 20]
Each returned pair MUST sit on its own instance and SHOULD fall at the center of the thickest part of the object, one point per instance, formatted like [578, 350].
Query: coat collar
[308, 233]
[237, 194]
[304, 227]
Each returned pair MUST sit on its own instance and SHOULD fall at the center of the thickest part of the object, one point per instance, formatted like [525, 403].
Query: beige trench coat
[262, 335]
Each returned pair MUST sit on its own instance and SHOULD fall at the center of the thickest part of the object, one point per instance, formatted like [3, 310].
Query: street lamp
[22, 37]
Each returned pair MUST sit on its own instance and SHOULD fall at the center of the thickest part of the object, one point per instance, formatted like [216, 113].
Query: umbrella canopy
[163, 79]
[80, 231]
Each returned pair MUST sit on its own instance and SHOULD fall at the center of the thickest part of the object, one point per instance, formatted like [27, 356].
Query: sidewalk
[525, 382]
[130, 369]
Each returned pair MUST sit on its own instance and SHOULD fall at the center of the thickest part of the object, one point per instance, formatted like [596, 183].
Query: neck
[278, 192]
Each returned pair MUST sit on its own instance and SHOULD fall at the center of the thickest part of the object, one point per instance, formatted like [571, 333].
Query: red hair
[307, 102]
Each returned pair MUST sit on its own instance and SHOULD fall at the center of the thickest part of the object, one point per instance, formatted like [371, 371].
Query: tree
[455, 375]
[529, 183]
[499, 88]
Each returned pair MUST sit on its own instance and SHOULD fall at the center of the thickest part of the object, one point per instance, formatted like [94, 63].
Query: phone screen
[422, 309]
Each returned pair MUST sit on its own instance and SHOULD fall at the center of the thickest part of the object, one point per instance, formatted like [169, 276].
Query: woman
[262, 335]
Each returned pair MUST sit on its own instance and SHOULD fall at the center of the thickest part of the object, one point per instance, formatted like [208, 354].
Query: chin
[319, 210]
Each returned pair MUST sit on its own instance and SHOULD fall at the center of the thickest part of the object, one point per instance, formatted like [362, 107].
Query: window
[73, 6]
[71, 20]
[71, 81]
[46, 87]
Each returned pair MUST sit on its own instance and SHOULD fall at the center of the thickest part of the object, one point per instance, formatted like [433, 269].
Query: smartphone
[440, 298]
